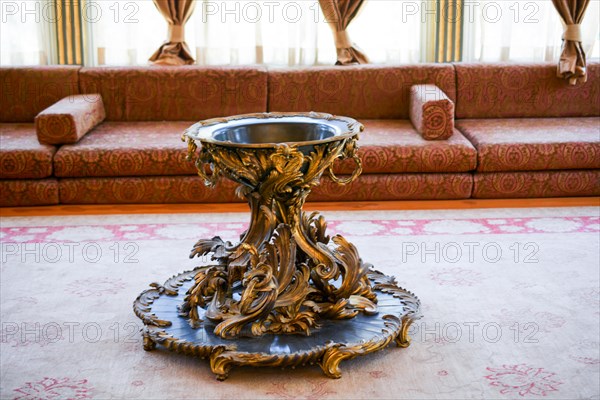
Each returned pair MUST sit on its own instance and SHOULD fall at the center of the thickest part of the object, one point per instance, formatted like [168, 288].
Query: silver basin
[275, 132]
[267, 130]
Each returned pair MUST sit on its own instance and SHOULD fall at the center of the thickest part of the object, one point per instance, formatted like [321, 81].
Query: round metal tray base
[327, 346]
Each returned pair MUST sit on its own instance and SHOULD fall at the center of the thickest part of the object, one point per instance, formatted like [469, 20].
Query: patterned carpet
[510, 299]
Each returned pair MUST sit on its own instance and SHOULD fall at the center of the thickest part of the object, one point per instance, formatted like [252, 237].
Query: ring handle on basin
[349, 152]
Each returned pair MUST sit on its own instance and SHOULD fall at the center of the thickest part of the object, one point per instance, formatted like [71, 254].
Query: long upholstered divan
[26, 166]
[519, 131]
[536, 135]
[135, 155]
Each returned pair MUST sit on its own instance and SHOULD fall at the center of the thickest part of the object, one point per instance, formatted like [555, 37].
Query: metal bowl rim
[345, 128]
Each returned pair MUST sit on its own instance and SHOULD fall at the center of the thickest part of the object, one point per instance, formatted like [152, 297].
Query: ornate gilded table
[286, 294]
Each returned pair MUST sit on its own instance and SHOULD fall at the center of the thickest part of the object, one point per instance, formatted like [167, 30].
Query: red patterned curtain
[339, 14]
[572, 65]
[175, 51]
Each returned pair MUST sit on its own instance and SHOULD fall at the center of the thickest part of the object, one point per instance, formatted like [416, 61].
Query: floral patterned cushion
[366, 91]
[190, 189]
[526, 144]
[21, 155]
[25, 91]
[30, 192]
[69, 119]
[499, 185]
[394, 146]
[144, 190]
[524, 90]
[127, 149]
[176, 93]
[431, 112]
[384, 187]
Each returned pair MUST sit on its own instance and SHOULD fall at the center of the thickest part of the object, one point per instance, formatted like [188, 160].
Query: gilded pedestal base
[333, 342]
[286, 294]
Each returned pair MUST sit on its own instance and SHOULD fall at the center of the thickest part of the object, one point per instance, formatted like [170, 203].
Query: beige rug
[510, 298]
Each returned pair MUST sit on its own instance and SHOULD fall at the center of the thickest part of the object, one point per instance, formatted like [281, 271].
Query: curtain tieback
[176, 33]
[342, 40]
[572, 33]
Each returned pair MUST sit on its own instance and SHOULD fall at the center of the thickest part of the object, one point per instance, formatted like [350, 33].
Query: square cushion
[21, 155]
[28, 192]
[25, 91]
[394, 146]
[127, 149]
[365, 91]
[176, 93]
[524, 91]
[144, 190]
[530, 144]
[532, 184]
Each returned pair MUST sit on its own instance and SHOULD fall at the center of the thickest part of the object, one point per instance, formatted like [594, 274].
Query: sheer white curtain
[521, 30]
[288, 32]
[25, 32]
[123, 32]
[260, 32]
[389, 31]
[221, 32]
[296, 32]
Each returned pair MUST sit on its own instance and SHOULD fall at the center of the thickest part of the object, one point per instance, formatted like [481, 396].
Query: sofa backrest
[25, 91]
[176, 93]
[524, 90]
[365, 91]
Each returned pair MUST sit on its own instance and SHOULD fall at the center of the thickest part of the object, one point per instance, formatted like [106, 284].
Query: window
[123, 32]
[520, 30]
[277, 32]
[296, 33]
[269, 32]
[25, 33]
[389, 31]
